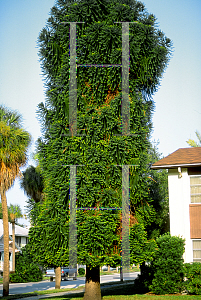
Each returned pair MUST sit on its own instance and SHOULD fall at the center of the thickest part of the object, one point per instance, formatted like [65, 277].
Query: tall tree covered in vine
[99, 149]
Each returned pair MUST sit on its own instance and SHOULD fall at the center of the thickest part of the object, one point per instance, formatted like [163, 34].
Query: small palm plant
[193, 143]
[14, 213]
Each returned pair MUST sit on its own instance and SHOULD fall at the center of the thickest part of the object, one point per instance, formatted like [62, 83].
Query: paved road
[18, 288]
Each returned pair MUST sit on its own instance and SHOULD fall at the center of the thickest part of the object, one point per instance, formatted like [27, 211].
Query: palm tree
[32, 184]
[14, 213]
[193, 143]
[14, 141]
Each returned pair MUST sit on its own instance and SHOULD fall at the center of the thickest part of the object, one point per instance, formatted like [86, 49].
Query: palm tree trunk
[13, 234]
[6, 245]
[58, 278]
[92, 284]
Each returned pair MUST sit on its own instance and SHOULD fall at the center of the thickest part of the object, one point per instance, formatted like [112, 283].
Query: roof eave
[175, 166]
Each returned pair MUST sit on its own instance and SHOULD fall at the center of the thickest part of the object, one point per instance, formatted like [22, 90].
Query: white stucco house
[184, 183]
[21, 239]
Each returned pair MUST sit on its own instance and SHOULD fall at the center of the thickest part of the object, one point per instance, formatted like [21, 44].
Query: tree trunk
[142, 268]
[6, 245]
[121, 274]
[58, 278]
[13, 234]
[92, 284]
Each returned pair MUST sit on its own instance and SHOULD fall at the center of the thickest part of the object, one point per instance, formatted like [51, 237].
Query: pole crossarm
[99, 208]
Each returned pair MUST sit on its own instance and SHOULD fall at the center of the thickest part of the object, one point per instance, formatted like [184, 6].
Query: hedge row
[166, 273]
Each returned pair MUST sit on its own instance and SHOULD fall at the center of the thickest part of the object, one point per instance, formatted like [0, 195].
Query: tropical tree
[100, 148]
[32, 183]
[14, 213]
[193, 143]
[14, 141]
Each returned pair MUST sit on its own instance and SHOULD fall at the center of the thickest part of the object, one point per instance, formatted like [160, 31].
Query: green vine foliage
[192, 272]
[99, 148]
[26, 270]
[142, 249]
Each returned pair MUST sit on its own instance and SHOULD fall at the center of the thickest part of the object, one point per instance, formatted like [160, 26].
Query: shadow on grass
[120, 290]
[18, 296]
[129, 289]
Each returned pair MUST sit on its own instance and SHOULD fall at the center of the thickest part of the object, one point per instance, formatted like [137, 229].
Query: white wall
[179, 200]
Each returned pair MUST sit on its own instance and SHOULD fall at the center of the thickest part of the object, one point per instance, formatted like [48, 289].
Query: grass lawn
[126, 293]
[134, 269]
[121, 293]
[136, 297]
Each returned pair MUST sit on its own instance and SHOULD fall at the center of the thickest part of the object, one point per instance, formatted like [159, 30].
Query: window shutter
[195, 221]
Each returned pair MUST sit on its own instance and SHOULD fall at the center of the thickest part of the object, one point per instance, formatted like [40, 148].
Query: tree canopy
[14, 141]
[14, 213]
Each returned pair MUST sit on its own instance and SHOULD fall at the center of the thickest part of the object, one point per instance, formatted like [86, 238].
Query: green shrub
[81, 271]
[167, 265]
[193, 274]
[143, 281]
[25, 269]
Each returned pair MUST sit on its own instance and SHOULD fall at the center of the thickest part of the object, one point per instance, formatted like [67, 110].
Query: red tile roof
[183, 157]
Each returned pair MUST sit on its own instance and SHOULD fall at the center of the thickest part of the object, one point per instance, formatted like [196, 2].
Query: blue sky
[177, 102]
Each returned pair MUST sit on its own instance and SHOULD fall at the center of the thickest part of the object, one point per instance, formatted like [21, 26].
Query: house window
[195, 182]
[18, 240]
[197, 250]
